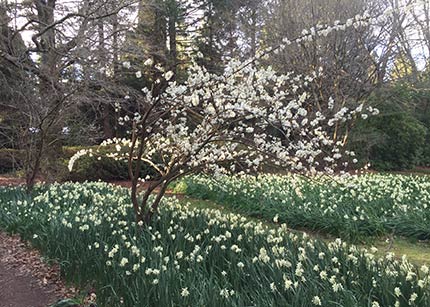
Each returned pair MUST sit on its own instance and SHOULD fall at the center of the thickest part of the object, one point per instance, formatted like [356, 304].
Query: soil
[6, 180]
[21, 290]
[25, 280]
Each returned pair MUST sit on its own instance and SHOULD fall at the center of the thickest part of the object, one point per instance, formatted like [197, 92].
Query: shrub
[402, 144]
[86, 168]
[10, 160]
[398, 138]
[102, 168]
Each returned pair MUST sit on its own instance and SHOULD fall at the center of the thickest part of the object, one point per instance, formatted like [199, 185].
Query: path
[25, 281]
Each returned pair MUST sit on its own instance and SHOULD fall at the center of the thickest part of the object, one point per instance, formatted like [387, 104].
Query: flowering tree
[234, 122]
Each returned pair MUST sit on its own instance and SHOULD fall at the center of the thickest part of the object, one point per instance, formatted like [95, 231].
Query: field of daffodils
[206, 257]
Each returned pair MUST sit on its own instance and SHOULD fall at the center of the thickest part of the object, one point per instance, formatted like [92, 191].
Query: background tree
[59, 38]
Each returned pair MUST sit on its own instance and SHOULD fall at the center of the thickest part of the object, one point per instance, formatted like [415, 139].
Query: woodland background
[66, 65]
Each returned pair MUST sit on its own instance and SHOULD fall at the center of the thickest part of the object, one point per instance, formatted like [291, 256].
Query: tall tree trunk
[151, 29]
[48, 93]
[173, 11]
[253, 33]
[106, 108]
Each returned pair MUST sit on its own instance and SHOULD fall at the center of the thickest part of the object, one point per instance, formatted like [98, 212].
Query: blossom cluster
[260, 118]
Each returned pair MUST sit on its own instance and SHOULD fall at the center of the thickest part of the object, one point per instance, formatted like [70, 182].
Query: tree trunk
[154, 206]
[172, 38]
[48, 83]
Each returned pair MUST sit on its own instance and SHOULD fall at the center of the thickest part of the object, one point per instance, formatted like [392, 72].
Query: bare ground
[25, 280]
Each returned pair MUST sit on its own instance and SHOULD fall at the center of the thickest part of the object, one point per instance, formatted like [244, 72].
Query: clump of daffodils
[382, 203]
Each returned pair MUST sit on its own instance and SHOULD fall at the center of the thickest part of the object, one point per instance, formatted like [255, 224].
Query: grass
[422, 170]
[417, 253]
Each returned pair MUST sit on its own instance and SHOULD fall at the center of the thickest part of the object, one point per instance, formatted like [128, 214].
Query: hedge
[85, 168]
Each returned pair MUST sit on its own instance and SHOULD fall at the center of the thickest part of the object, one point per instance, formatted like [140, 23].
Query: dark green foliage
[105, 169]
[67, 303]
[89, 168]
[85, 168]
[399, 137]
[217, 38]
[101, 168]
[403, 144]
[391, 142]
[10, 160]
